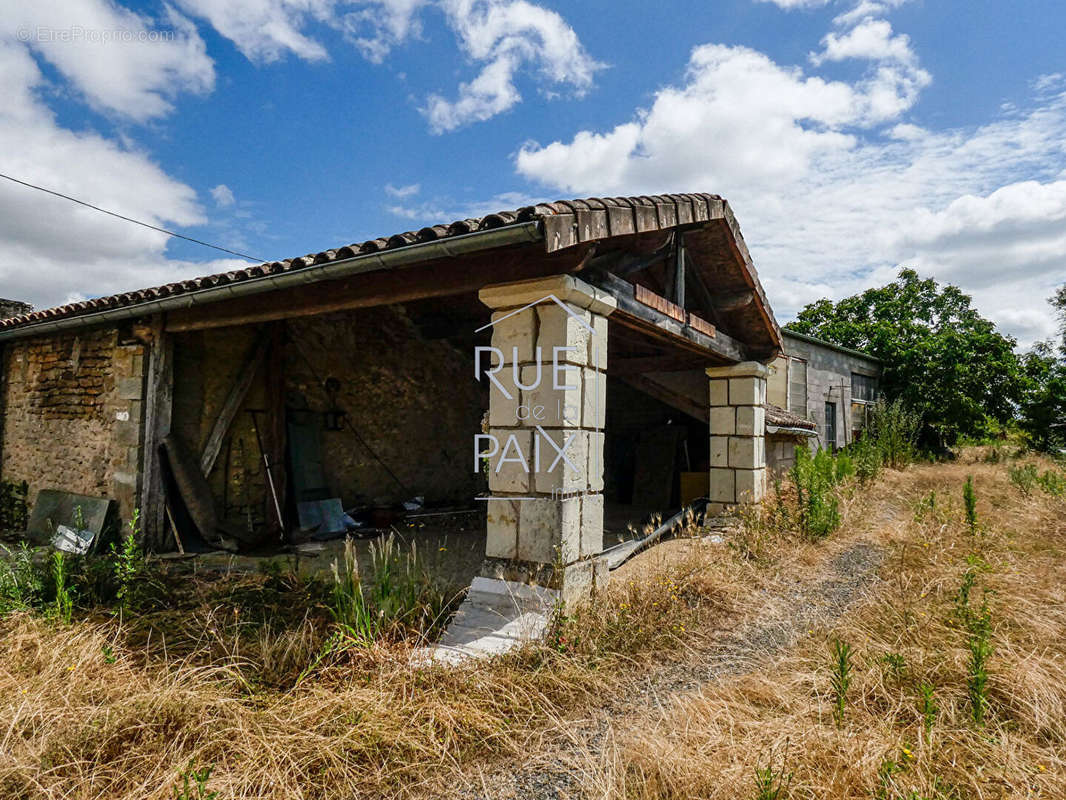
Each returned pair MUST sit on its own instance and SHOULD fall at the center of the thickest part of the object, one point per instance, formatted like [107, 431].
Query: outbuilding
[564, 367]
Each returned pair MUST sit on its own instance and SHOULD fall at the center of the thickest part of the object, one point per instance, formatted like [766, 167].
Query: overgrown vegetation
[966, 696]
[944, 679]
[401, 595]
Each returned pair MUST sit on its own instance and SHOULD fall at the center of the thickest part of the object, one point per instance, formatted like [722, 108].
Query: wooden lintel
[437, 278]
[233, 403]
[656, 324]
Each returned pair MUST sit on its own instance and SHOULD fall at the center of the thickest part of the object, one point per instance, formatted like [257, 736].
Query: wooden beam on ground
[437, 278]
[233, 403]
[656, 324]
[158, 404]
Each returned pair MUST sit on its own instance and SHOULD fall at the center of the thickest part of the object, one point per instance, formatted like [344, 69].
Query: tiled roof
[780, 418]
[564, 224]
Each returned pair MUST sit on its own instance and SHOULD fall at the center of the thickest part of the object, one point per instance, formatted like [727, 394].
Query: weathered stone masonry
[738, 434]
[72, 407]
[541, 518]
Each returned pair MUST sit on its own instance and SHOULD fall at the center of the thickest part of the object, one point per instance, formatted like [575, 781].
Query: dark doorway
[831, 426]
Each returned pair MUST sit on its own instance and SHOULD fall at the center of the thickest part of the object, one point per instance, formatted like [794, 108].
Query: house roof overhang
[449, 259]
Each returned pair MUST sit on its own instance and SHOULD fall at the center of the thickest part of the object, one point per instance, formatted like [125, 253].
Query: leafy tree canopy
[1044, 401]
[940, 357]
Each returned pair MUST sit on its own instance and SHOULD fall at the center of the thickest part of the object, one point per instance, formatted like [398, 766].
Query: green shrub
[927, 705]
[840, 678]
[21, 585]
[815, 477]
[63, 603]
[1025, 477]
[866, 457]
[844, 468]
[1053, 482]
[969, 499]
[128, 565]
[894, 430]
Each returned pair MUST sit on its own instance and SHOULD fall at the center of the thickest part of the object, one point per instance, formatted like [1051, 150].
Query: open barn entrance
[656, 456]
[290, 436]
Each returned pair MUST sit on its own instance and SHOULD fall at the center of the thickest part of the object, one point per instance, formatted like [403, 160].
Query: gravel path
[790, 613]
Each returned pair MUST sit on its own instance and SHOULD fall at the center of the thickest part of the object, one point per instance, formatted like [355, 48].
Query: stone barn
[563, 369]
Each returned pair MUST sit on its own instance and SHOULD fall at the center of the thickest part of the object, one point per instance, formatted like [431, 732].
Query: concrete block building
[823, 388]
[564, 367]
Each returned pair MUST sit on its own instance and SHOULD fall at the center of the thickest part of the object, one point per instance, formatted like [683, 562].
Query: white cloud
[871, 39]
[896, 79]
[866, 9]
[400, 192]
[506, 35]
[442, 210]
[384, 25]
[222, 195]
[120, 61]
[266, 30]
[52, 250]
[790, 5]
[833, 187]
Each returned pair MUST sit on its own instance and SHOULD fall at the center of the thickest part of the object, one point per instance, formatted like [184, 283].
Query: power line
[130, 219]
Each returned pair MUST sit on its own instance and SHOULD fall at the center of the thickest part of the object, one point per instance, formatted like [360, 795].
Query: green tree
[1043, 406]
[940, 357]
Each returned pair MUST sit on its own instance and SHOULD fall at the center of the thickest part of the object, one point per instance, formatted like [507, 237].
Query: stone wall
[413, 402]
[72, 410]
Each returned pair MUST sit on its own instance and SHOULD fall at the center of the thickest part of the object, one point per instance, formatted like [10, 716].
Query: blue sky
[851, 137]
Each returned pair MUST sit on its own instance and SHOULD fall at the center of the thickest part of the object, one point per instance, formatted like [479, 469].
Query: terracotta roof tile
[786, 419]
[594, 218]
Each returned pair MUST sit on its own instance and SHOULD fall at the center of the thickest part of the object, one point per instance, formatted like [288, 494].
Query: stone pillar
[544, 443]
[738, 434]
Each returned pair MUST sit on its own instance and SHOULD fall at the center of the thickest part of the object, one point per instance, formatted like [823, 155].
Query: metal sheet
[54, 507]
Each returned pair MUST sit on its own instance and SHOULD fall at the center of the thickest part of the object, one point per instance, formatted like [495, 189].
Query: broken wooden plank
[158, 404]
[233, 403]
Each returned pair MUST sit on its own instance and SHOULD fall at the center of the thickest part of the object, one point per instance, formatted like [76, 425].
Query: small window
[863, 388]
[797, 386]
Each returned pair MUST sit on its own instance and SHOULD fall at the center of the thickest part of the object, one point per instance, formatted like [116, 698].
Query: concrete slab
[496, 617]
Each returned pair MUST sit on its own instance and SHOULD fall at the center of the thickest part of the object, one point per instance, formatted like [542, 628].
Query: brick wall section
[72, 408]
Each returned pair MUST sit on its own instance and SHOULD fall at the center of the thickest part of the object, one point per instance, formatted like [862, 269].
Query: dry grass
[100, 709]
[709, 744]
